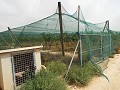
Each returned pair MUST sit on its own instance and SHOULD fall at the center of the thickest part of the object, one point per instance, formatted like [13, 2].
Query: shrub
[44, 80]
[111, 56]
[117, 49]
[56, 67]
[47, 57]
[82, 75]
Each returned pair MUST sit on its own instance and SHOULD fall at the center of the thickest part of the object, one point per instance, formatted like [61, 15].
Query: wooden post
[61, 27]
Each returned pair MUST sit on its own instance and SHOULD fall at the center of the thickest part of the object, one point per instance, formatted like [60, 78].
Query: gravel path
[100, 83]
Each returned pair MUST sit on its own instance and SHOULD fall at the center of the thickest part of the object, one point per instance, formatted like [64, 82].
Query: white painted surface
[6, 72]
[20, 49]
[6, 75]
[37, 58]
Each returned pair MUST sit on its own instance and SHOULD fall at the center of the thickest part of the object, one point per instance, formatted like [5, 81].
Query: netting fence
[95, 38]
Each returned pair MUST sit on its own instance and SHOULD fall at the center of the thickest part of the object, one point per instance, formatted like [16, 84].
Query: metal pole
[101, 42]
[14, 36]
[72, 59]
[110, 44]
[79, 37]
[61, 27]
[5, 41]
[109, 36]
[22, 31]
[101, 46]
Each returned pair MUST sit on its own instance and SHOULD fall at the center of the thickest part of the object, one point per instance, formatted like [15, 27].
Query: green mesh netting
[96, 38]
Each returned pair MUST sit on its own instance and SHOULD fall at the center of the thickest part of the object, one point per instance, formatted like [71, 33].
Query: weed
[44, 80]
[81, 75]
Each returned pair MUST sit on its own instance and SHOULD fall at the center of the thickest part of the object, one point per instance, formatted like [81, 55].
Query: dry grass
[117, 49]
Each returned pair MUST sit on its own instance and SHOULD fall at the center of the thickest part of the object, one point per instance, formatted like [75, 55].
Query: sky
[15, 13]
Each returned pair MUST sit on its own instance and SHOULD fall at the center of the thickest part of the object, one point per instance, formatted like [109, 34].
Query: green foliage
[44, 80]
[48, 57]
[82, 75]
[115, 40]
[56, 67]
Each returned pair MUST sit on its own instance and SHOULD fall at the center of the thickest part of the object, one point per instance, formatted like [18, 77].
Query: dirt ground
[100, 83]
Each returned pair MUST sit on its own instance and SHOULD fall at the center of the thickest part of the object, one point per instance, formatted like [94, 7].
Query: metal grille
[23, 67]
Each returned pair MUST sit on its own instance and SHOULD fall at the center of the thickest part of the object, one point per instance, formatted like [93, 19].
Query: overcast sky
[14, 13]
